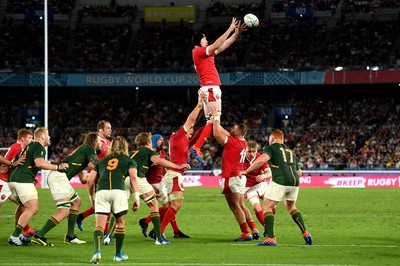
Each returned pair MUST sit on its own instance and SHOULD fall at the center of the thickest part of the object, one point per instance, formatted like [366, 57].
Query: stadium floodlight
[338, 68]
[373, 68]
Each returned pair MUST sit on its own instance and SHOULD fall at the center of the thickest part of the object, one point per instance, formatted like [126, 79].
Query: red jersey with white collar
[156, 172]
[233, 156]
[10, 155]
[205, 67]
[178, 148]
[105, 146]
[251, 177]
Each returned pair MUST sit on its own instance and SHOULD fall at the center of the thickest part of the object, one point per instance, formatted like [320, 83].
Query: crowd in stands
[165, 47]
[226, 9]
[22, 6]
[348, 6]
[356, 133]
[15, 54]
[103, 11]
[367, 6]
[160, 46]
[100, 46]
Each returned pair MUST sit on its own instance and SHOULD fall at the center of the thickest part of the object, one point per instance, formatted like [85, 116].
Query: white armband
[137, 196]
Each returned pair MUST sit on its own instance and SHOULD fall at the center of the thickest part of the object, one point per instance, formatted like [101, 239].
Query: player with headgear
[203, 56]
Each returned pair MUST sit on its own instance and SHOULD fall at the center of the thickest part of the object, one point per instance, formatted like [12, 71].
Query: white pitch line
[174, 263]
[329, 245]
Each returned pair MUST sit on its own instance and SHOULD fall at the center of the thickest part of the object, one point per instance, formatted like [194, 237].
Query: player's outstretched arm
[219, 132]
[256, 164]
[238, 30]
[220, 41]
[191, 119]
[163, 162]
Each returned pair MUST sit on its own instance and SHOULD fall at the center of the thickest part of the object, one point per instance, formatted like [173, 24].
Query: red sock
[161, 210]
[168, 217]
[252, 225]
[87, 213]
[196, 136]
[260, 217]
[27, 227]
[244, 228]
[205, 133]
[148, 219]
[174, 225]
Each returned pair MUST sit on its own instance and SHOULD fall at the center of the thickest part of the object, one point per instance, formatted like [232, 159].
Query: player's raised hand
[241, 28]
[243, 172]
[136, 205]
[20, 161]
[202, 98]
[234, 24]
[63, 166]
[215, 112]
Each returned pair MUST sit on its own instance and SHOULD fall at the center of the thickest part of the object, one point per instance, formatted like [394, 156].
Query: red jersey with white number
[251, 177]
[156, 172]
[233, 156]
[11, 154]
[178, 148]
[105, 145]
[205, 67]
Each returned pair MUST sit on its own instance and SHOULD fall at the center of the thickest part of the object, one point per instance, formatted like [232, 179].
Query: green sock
[119, 239]
[98, 236]
[298, 219]
[269, 220]
[73, 214]
[17, 231]
[155, 219]
[50, 224]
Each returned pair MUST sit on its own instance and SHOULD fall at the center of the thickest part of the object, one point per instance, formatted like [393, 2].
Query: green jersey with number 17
[283, 164]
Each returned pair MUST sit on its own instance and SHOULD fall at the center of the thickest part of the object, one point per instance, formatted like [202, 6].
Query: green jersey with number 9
[113, 171]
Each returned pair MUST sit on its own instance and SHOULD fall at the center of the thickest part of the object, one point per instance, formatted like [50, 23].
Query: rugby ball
[251, 20]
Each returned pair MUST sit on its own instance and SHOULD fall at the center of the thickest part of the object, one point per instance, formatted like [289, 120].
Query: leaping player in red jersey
[204, 63]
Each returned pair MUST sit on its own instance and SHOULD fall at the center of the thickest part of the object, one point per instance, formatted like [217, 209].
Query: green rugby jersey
[78, 160]
[142, 156]
[283, 164]
[113, 171]
[26, 172]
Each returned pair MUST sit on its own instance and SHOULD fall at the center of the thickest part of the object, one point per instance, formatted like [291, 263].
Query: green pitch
[349, 227]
